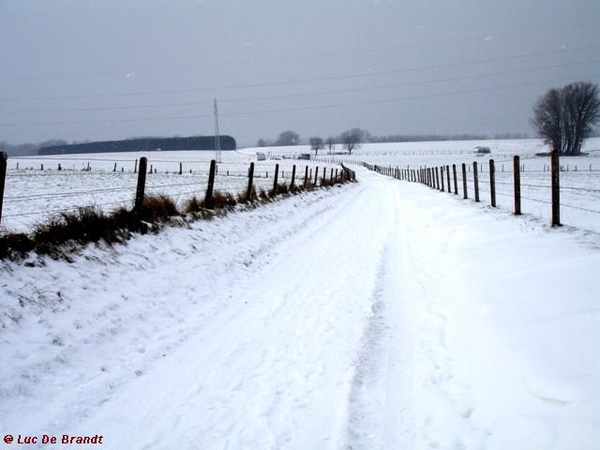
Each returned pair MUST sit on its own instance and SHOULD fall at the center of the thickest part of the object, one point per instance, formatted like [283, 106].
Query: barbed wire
[68, 194]
[546, 202]
[579, 208]
[66, 158]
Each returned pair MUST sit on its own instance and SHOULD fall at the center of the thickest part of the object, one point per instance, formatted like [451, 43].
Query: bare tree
[330, 142]
[316, 144]
[352, 139]
[565, 117]
[288, 137]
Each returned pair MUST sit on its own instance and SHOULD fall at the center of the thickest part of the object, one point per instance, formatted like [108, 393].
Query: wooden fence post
[135, 167]
[448, 177]
[293, 177]
[275, 180]
[141, 186]
[442, 178]
[476, 181]
[305, 177]
[316, 175]
[180, 169]
[208, 198]
[555, 168]
[464, 180]
[250, 183]
[455, 179]
[492, 183]
[517, 180]
[3, 165]
[437, 178]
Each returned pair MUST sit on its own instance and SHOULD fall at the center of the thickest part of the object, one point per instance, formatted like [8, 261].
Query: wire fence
[559, 193]
[36, 188]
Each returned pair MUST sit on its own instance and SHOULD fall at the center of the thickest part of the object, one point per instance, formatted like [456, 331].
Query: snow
[579, 178]
[377, 315]
[32, 195]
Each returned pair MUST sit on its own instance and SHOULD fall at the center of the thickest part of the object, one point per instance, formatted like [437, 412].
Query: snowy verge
[88, 327]
[377, 315]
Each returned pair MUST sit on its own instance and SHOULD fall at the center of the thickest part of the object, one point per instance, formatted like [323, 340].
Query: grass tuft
[244, 198]
[15, 244]
[282, 189]
[223, 200]
[193, 205]
[158, 208]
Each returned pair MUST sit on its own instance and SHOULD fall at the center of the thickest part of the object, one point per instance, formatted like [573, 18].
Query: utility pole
[217, 135]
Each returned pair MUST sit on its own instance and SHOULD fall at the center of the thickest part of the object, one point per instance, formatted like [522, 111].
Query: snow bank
[378, 315]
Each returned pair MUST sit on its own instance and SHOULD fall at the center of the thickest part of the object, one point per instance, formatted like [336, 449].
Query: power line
[305, 80]
[319, 93]
[308, 56]
[292, 109]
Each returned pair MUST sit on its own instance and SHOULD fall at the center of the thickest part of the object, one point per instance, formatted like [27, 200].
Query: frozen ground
[579, 179]
[33, 194]
[382, 315]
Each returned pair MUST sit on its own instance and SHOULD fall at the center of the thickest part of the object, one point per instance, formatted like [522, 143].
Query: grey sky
[109, 69]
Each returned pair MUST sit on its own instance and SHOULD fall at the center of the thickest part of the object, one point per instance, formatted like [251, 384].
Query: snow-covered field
[379, 315]
[33, 194]
[580, 176]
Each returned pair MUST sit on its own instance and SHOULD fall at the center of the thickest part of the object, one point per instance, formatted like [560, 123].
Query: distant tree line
[146, 143]
[351, 139]
[28, 149]
[142, 144]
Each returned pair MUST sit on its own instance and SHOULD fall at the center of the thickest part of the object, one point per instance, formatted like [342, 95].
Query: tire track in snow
[380, 401]
[275, 371]
[113, 279]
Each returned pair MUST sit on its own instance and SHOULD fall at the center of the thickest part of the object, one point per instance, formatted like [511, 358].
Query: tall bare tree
[352, 139]
[330, 142]
[316, 144]
[565, 117]
[288, 137]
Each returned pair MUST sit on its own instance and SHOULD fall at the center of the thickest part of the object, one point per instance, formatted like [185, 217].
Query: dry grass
[282, 189]
[193, 205]
[158, 208]
[90, 224]
[223, 200]
[244, 198]
[15, 244]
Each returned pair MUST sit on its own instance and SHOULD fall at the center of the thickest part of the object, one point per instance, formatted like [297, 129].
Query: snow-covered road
[378, 316]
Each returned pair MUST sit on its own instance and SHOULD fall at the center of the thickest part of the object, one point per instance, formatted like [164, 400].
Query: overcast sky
[110, 69]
